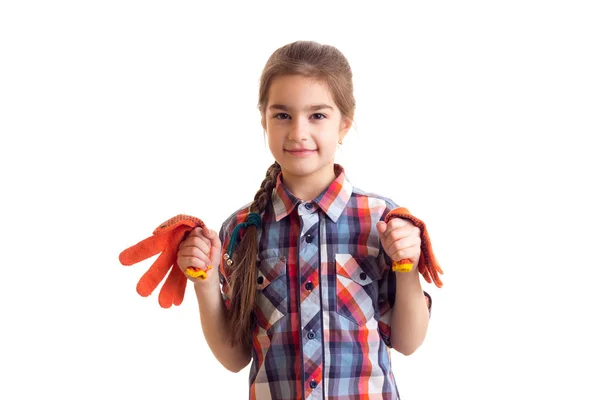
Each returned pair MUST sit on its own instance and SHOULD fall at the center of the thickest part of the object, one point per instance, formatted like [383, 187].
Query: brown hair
[309, 59]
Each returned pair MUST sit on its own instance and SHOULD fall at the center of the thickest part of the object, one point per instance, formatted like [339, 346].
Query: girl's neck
[307, 187]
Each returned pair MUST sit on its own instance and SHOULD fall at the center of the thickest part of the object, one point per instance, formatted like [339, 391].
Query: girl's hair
[310, 59]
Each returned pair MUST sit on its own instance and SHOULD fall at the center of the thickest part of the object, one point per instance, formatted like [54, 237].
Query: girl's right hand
[201, 249]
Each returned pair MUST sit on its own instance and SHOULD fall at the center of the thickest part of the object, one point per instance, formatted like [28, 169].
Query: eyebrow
[311, 108]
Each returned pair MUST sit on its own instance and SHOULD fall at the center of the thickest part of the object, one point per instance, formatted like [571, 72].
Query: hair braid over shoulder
[243, 274]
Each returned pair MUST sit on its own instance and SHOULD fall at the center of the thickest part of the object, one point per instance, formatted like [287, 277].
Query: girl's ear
[263, 122]
[345, 126]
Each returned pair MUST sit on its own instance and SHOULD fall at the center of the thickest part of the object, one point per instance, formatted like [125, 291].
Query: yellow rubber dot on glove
[194, 272]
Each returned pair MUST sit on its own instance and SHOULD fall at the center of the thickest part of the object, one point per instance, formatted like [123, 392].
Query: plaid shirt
[324, 298]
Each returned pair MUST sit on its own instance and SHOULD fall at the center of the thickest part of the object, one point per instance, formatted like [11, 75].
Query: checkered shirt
[325, 291]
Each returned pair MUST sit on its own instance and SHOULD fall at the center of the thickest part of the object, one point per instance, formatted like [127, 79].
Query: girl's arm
[212, 319]
[410, 313]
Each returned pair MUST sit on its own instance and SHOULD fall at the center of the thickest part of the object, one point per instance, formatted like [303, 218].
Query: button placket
[309, 306]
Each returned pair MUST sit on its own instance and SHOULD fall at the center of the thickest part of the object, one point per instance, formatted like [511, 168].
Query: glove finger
[147, 248]
[156, 273]
[436, 278]
[165, 297]
[424, 270]
[179, 292]
[173, 290]
[426, 275]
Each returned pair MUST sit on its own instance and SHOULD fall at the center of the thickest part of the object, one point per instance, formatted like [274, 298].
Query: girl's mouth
[301, 153]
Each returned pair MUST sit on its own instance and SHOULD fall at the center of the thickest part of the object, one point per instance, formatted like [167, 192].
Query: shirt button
[309, 238]
[311, 335]
[313, 384]
[308, 206]
[363, 276]
[260, 280]
[309, 285]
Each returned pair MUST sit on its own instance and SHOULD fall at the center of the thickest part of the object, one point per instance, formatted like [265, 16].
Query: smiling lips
[301, 152]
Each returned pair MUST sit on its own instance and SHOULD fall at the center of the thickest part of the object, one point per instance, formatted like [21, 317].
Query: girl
[304, 287]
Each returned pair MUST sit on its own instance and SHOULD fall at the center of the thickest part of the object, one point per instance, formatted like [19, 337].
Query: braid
[244, 274]
[263, 195]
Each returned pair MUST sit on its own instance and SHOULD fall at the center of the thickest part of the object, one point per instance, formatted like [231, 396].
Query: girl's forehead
[298, 91]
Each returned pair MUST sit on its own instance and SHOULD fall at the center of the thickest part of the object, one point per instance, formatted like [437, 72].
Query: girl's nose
[298, 131]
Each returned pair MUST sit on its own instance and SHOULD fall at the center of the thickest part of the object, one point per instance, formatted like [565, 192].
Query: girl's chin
[300, 169]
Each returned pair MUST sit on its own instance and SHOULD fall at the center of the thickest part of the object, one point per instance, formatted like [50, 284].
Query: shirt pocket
[272, 291]
[356, 287]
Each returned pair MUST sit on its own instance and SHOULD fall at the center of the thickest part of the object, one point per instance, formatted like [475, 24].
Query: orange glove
[428, 265]
[165, 240]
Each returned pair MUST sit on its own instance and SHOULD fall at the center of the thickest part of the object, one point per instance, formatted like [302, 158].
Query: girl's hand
[400, 240]
[201, 249]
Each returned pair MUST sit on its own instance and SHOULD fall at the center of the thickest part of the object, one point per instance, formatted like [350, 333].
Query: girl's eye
[317, 116]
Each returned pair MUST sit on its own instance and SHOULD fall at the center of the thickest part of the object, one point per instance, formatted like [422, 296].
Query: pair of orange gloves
[167, 236]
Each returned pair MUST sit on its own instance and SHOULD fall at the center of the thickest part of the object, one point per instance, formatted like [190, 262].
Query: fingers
[198, 251]
[398, 228]
[403, 242]
[410, 253]
[398, 234]
[196, 239]
[193, 252]
[195, 246]
[394, 245]
[392, 225]
[215, 246]
[393, 231]
[198, 232]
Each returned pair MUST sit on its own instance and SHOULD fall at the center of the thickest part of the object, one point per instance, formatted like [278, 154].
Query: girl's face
[303, 126]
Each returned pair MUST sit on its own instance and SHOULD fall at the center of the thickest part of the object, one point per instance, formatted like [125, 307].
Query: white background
[477, 116]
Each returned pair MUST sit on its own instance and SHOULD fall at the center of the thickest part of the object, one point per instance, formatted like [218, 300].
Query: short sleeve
[223, 268]
[387, 295]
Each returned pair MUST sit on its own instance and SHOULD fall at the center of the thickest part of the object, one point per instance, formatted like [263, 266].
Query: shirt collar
[332, 200]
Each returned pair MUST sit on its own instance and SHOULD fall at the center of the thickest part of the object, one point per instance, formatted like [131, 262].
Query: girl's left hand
[400, 240]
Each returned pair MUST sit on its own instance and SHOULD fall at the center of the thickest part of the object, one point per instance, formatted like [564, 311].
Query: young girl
[308, 294]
